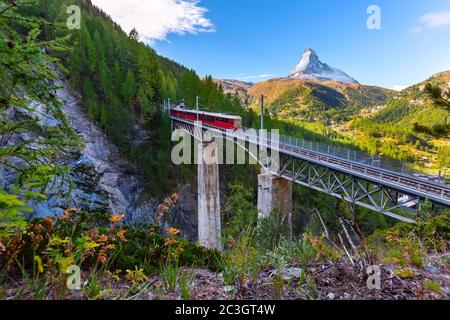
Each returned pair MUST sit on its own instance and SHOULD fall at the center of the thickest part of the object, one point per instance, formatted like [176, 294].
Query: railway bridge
[389, 187]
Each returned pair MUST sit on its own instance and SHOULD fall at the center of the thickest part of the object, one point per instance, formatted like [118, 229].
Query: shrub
[406, 244]
[271, 230]
[241, 261]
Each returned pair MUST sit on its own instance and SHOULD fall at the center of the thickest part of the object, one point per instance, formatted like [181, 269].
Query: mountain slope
[410, 126]
[235, 87]
[413, 106]
[317, 100]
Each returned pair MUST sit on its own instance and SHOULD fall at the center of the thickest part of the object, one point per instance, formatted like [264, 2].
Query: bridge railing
[358, 156]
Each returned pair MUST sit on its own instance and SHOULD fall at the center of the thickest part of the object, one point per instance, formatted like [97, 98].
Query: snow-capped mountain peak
[311, 68]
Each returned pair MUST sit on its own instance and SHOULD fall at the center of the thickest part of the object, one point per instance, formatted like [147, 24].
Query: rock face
[103, 176]
[311, 68]
[102, 179]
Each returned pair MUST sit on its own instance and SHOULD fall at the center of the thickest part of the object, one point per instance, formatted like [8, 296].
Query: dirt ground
[324, 281]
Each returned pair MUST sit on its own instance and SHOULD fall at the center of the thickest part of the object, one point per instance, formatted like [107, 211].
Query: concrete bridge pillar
[274, 193]
[209, 225]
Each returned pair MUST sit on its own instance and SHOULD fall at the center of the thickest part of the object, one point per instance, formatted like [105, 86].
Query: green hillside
[315, 101]
[411, 126]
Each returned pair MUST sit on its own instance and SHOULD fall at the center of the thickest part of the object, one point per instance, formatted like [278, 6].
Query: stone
[292, 273]
[288, 273]
[229, 289]
[331, 296]
[432, 269]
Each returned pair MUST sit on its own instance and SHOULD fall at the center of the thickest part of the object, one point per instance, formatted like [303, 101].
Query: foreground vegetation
[120, 262]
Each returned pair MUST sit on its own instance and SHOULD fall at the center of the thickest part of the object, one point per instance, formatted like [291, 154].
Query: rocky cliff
[101, 178]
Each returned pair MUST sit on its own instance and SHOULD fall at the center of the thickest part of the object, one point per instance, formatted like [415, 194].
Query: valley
[87, 182]
[377, 120]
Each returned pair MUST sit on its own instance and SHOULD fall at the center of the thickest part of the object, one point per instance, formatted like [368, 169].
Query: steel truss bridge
[351, 175]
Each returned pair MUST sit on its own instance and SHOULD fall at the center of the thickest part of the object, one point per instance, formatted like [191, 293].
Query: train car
[217, 120]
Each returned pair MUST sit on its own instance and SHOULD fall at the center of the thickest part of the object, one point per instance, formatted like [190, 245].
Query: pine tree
[438, 96]
[26, 75]
[129, 88]
[134, 35]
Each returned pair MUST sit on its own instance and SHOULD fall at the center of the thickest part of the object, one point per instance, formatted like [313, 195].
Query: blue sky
[249, 38]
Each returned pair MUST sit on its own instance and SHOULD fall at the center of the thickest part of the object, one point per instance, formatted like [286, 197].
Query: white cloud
[436, 19]
[399, 88]
[155, 19]
[258, 76]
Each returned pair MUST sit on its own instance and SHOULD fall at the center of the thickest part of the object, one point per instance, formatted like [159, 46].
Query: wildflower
[103, 238]
[116, 218]
[88, 252]
[136, 276]
[392, 236]
[48, 224]
[93, 234]
[102, 258]
[121, 235]
[69, 211]
[109, 247]
[36, 235]
[169, 242]
[168, 204]
[173, 231]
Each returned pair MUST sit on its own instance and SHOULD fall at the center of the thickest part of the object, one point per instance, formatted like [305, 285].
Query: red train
[218, 120]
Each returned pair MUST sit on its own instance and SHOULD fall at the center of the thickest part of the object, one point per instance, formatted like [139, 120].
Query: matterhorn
[311, 68]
